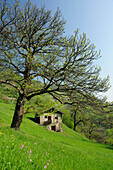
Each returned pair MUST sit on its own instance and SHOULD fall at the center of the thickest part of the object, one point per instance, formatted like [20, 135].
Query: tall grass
[33, 147]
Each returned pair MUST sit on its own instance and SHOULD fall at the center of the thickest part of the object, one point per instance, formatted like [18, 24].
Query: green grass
[33, 147]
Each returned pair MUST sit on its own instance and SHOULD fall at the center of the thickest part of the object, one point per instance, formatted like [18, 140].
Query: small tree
[33, 49]
[81, 107]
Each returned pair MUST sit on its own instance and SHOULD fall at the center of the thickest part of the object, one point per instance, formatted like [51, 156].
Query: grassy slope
[33, 147]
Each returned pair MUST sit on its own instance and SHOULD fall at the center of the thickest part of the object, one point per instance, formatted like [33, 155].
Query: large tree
[33, 49]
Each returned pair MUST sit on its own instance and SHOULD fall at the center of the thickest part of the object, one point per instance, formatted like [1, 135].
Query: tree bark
[19, 111]
[75, 120]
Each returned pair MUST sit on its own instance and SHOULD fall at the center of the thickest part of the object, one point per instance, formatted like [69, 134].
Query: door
[53, 128]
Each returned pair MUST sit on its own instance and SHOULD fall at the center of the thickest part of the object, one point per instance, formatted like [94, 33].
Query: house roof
[52, 109]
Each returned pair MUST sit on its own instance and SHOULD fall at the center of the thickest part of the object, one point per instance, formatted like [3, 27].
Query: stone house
[51, 118]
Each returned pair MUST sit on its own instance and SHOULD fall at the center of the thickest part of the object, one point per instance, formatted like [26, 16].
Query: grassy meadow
[33, 147]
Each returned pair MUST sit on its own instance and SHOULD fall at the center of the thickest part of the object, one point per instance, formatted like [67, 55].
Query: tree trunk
[18, 114]
[75, 120]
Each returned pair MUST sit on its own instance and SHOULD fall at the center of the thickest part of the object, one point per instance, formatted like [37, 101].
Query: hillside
[33, 147]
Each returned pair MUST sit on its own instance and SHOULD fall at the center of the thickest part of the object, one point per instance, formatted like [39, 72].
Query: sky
[95, 18]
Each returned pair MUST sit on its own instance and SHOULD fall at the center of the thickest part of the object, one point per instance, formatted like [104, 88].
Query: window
[49, 117]
[56, 117]
[45, 117]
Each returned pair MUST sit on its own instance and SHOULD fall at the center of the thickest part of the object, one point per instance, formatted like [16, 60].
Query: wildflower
[35, 143]
[30, 160]
[1, 133]
[30, 151]
[21, 146]
[48, 161]
[46, 153]
[45, 166]
[7, 146]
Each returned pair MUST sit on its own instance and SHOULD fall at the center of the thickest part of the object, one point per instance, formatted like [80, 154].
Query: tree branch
[12, 84]
[56, 98]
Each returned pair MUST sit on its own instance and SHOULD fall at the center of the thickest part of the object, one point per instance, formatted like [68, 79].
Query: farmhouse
[51, 118]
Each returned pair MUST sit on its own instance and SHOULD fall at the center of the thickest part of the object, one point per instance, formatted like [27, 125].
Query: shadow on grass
[106, 146]
[32, 119]
[109, 147]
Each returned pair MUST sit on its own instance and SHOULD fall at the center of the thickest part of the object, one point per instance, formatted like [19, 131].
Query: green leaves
[36, 48]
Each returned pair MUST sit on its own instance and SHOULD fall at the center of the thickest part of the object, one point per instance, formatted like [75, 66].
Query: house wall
[56, 121]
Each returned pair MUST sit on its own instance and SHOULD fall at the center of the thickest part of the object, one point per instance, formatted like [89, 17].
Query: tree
[35, 50]
[95, 115]
[81, 105]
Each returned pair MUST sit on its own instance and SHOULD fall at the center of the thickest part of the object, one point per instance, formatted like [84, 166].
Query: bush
[66, 118]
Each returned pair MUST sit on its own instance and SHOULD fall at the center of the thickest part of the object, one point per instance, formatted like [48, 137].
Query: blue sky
[95, 18]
